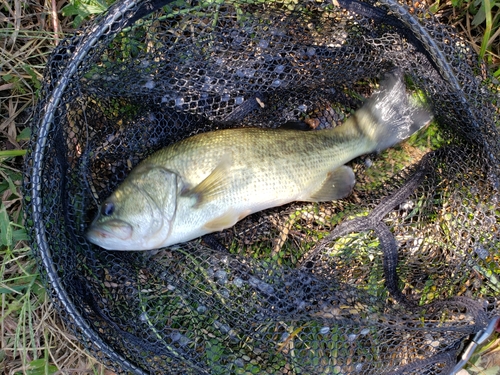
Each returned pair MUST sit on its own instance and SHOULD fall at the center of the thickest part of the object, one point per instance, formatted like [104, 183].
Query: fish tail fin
[389, 116]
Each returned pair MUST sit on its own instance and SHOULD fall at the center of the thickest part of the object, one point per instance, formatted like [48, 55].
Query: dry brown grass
[32, 335]
[33, 340]
[26, 41]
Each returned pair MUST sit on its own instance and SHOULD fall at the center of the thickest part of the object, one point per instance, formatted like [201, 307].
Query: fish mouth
[112, 229]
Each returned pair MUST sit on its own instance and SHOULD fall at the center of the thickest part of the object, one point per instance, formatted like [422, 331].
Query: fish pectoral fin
[227, 220]
[215, 184]
[337, 185]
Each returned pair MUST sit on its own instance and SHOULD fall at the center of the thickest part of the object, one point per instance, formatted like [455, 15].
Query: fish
[208, 182]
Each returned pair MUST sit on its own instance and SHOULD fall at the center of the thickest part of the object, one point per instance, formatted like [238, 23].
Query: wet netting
[400, 277]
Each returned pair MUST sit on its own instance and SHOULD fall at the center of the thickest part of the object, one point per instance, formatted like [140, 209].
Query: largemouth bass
[208, 182]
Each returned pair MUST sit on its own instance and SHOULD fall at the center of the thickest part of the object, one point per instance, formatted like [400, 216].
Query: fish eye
[108, 208]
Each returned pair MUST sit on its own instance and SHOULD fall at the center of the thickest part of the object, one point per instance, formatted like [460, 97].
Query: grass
[32, 338]
[479, 21]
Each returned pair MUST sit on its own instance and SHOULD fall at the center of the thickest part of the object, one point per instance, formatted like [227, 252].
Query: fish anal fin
[226, 220]
[214, 185]
[337, 185]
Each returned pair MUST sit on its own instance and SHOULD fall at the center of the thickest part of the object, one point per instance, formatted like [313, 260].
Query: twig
[55, 22]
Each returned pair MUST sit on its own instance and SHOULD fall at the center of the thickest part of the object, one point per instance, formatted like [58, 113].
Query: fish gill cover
[394, 279]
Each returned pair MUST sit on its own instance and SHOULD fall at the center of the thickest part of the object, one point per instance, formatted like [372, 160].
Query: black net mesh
[394, 279]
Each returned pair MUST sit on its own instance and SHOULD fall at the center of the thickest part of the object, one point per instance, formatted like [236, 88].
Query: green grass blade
[487, 29]
[12, 153]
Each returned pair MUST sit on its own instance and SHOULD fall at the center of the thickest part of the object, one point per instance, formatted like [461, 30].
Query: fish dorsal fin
[214, 185]
[337, 185]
